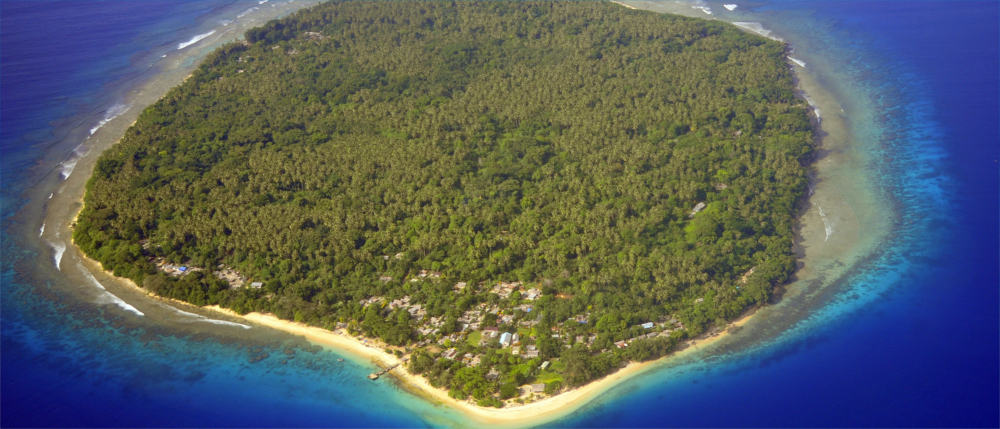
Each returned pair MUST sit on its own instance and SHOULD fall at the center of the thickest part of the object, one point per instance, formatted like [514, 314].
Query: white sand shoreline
[533, 413]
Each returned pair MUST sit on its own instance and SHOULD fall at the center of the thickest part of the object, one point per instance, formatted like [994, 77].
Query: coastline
[537, 412]
[533, 413]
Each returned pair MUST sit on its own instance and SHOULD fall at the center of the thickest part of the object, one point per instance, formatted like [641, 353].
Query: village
[477, 330]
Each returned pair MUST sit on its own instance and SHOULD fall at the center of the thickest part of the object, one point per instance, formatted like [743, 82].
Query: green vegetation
[416, 171]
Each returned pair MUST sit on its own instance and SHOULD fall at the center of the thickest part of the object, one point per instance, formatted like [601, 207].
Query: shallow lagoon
[893, 321]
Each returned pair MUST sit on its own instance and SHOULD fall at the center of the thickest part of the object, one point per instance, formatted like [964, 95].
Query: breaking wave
[247, 12]
[194, 40]
[66, 168]
[58, 249]
[797, 61]
[107, 297]
[756, 27]
[200, 318]
[827, 226]
[112, 113]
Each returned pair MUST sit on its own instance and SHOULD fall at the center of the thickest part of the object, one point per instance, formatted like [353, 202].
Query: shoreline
[533, 413]
[537, 412]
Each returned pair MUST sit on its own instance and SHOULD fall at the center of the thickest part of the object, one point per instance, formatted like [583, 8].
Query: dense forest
[602, 183]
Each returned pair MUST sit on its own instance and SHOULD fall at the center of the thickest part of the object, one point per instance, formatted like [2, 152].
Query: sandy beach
[518, 415]
[837, 250]
[536, 412]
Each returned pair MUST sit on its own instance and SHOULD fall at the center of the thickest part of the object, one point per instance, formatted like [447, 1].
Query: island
[512, 198]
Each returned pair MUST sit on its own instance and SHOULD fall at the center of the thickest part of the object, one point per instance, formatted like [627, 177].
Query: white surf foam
[200, 318]
[112, 113]
[247, 12]
[730, 7]
[41, 230]
[622, 4]
[58, 249]
[51, 194]
[812, 104]
[107, 297]
[66, 168]
[798, 62]
[827, 226]
[194, 40]
[756, 27]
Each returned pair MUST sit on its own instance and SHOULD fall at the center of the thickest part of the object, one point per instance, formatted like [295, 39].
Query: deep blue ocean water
[923, 352]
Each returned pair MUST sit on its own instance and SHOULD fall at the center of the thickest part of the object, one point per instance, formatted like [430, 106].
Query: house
[530, 354]
[514, 339]
[697, 208]
[490, 332]
[647, 325]
[621, 344]
[538, 388]
[257, 285]
[544, 365]
[450, 353]
[505, 339]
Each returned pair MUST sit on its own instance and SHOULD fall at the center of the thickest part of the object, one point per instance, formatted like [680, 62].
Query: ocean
[899, 330]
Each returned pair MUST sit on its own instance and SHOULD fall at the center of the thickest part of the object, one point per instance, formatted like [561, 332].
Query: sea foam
[200, 318]
[66, 168]
[797, 61]
[247, 12]
[112, 113]
[107, 297]
[194, 40]
[827, 226]
[58, 249]
[756, 27]
[41, 230]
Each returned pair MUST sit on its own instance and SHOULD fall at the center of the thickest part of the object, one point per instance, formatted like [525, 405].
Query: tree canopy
[632, 167]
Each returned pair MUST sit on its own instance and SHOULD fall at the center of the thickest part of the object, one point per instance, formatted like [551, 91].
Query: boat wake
[194, 40]
[107, 297]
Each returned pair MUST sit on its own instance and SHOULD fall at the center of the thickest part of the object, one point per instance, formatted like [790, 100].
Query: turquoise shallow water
[905, 337]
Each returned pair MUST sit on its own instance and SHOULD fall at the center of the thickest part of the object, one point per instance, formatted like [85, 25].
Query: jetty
[375, 375]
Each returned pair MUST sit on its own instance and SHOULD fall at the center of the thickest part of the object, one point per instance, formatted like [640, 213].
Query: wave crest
[194, 40]
[107, 297]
